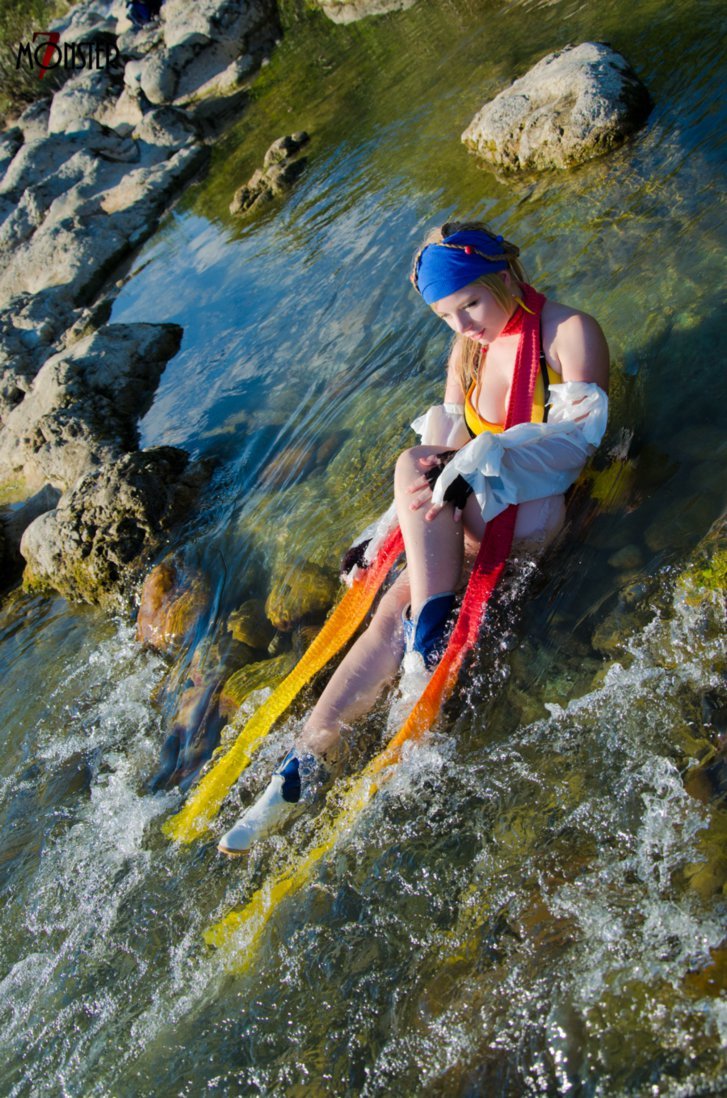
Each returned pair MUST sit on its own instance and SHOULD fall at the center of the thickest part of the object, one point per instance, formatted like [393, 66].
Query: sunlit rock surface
[350, 11]
[574, 104]
[93, 545]
[306, 591]
[84, 404]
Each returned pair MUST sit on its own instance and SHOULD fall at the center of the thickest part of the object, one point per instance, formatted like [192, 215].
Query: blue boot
[426, 634]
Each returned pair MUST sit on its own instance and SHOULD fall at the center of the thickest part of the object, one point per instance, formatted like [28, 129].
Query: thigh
[539, 520]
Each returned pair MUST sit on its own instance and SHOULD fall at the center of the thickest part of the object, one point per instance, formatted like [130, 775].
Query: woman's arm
[581, 349]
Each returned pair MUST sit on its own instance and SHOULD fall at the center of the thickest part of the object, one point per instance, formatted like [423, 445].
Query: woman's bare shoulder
[574, 342]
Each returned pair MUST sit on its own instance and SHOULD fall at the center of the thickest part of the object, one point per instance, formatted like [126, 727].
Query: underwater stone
[627, 558]
[171, 603]
[303, 592]
[266, 674]
[249, 624]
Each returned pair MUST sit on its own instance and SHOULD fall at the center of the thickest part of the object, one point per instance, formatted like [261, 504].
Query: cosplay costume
[502, 466]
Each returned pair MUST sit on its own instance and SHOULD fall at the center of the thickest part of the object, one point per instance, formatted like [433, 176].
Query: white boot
[277, 803]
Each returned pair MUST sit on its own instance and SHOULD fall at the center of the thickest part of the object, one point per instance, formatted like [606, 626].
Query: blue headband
[442, 269]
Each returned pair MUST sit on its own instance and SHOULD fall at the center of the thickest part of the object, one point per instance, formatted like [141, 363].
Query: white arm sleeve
[375, 534]
[532, 460]
[443, 425]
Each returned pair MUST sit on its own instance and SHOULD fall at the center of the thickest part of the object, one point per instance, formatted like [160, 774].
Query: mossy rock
[255, 676]
[301, 593]
[708, 571]
[249, 624]
[172, 602]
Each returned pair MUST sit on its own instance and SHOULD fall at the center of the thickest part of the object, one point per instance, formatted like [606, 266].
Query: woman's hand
[456, 493]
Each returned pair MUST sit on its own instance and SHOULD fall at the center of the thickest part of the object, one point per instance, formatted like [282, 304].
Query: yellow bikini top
[476, 424]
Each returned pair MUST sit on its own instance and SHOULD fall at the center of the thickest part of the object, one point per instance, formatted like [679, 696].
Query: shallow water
[535, 903]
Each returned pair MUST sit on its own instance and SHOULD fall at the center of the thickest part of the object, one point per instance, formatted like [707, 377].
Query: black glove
[355, 557]
[458, 490]
[434, 472]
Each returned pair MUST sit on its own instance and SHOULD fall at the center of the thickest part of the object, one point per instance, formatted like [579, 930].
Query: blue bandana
[442, 270]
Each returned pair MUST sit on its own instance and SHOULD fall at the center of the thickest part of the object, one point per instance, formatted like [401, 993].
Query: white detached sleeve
[532, 460]
[443, 425]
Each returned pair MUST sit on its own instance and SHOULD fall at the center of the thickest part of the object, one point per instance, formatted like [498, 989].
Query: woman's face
[474, 312]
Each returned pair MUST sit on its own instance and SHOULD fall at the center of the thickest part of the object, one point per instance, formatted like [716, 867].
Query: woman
[518, 360]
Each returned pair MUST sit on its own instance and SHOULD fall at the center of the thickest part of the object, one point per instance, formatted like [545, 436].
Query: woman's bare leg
[434, 549]
[434, 553]
[369, 665]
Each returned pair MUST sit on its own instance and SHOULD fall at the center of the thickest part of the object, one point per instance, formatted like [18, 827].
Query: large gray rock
[573, 105]
[84, 404]
[94, 546]
[204, 44]
[90, 94]
[77, 215]
[350, 11]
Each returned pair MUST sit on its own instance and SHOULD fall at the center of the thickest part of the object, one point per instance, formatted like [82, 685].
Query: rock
[171, 604]
[84, 404]
[290, 463]
[90, 94]
[200, 43]
[95, 211]
[34, 120]
[92, 547]
[166, 127]
[14, 521]
[304, 592]
[249, 624]
[255, 676]
[10, 142]
[350, 11]
[575, 104]
[279, 171]
[626, 559]
[128, 110]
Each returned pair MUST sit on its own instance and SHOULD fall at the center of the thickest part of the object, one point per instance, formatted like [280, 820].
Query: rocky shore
[85, 178]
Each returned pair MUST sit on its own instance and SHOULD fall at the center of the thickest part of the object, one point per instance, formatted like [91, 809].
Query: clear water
[535, 904]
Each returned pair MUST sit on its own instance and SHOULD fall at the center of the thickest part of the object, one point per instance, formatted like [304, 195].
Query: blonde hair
[467, 353]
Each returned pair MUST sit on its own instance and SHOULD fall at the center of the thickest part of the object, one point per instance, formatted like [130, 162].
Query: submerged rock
[92, 547]
[304, 592]
[171, 604]
[279, 171]
[266, 674]
[249, 625]
[575, 104]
